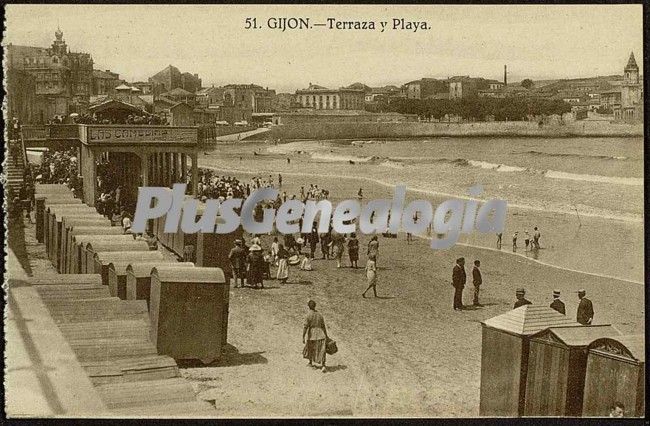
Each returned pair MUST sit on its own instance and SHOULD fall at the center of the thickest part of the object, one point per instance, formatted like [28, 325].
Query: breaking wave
[565, 155]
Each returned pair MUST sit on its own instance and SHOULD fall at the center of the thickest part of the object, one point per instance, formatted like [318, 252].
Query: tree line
[474, 108]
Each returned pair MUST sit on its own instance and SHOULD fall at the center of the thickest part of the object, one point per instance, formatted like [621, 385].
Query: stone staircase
[14, 167]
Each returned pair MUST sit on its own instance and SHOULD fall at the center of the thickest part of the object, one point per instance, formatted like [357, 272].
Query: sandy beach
[409, 338]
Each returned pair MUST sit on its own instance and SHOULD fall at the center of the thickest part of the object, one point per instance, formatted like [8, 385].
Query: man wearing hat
[237, 257]
[458, 280]
[557, 304]
[521, 300]
[585, 309]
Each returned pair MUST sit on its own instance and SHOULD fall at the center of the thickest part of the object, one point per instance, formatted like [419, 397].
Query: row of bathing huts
[187, 301]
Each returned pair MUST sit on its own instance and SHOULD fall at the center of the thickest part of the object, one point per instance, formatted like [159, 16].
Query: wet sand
[569, 240]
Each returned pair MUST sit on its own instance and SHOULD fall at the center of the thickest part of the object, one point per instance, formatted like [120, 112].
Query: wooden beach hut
[50, 223]
[67, 224]
[504, 357]
[55, 194]
[78, 247]
[97, 243]
[615, 373]
[117, 272]
[138, 279]
[72, 251]
[55, 215]
[557, 363]
[187, 311]
[105, 252]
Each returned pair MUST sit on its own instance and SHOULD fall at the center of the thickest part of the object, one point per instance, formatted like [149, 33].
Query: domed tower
[58, 46]
[631, 71]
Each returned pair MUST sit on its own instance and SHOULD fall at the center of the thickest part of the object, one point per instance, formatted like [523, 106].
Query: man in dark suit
[585, 309]
[458, 280]
[477, 280]
[557, 304]
[521, 300]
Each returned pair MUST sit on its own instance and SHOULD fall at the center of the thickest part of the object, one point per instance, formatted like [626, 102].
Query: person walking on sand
[477, 280]
[314, 337]
[458, 280]
[514, 241]
[338, 244]
[585, 309]
[521, 300]
[275, 246]
[371, 274]
[557, 304]
[236, 258]
[257, 266]
[279, 180]
[360, 194]
[499, 237]
[325, 240]
[283, 264]
[536, 236]
[373, 248]
[526, 240]
[353, 250]
[313, 240]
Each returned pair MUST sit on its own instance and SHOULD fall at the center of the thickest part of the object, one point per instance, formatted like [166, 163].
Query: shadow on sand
[230, 357]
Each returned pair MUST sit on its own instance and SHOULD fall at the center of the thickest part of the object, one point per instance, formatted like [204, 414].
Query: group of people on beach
[530, 244]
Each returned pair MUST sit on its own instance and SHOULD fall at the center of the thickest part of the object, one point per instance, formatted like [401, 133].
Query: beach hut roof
[130, 252]
[579, 335]
[143, 269]
[529, 319]
[629, 346]
[189, 275]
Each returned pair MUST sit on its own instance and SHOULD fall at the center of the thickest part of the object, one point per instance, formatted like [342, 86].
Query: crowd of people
[135, 119]
[214, 186]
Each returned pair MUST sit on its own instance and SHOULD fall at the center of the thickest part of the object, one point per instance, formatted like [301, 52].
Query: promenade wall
[342, 130]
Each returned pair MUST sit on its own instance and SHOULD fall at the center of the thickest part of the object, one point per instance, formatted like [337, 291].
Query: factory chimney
[505, 75]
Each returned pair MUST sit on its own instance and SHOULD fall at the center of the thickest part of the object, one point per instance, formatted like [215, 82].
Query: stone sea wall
[334, 130]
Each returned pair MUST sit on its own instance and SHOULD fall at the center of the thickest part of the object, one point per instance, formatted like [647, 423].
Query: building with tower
[61, 80]
[625, 99]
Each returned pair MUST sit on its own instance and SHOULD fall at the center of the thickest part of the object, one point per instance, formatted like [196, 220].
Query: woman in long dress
[283, 265]
[314, 336]
[371, 274]
[256, 266]
[373, 248]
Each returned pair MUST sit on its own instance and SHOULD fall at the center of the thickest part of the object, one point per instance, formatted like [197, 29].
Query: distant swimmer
[514, 241]
[499, 238]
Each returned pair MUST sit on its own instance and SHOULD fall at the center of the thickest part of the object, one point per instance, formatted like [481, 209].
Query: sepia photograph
[220, 211]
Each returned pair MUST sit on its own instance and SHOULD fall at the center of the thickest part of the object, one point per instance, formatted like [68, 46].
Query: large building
[250, 97]
[467, 87]
[104, 82]
[319, 97]
[425, 88]
[171, 78]
[62, 80]
[625, 97]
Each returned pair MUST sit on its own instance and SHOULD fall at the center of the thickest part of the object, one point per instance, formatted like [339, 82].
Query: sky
[534, 41]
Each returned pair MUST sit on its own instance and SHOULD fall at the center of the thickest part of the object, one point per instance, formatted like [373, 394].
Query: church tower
[59, 47]
[631, 71]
